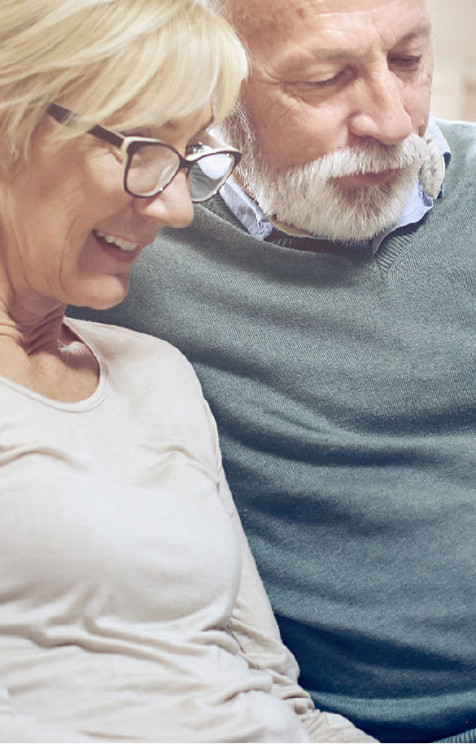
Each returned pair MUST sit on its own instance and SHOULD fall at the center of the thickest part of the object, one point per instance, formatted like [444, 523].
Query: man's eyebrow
[292, 63]
[417, 33]
[330, 54]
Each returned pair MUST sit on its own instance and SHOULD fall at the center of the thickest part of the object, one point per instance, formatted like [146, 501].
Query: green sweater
[344, 389]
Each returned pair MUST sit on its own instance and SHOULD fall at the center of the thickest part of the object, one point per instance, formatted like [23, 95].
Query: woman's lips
[116, 251]
[121, 243]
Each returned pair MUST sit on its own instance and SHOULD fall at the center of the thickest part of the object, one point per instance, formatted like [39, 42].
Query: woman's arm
[254, 628]
[252, 623]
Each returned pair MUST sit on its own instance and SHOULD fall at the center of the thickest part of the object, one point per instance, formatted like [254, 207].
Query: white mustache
[368, 159]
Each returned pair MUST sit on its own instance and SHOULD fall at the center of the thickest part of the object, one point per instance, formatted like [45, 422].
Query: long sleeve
[254, 628]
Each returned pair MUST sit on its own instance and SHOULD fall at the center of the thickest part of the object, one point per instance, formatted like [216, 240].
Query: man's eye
[335, 79]
[328, 81]
[407, 62]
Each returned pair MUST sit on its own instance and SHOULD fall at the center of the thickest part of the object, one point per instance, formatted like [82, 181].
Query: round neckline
[86, 404]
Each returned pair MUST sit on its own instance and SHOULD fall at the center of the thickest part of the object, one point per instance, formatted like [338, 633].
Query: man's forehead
[255, 16]
[260, 20]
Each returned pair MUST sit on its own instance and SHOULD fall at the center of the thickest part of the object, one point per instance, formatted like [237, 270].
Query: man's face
[329, 76]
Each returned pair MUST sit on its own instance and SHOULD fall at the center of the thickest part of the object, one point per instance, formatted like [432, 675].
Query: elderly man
[327, 301]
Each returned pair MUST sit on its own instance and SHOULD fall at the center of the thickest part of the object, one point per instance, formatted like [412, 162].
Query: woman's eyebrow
[174, 124]
[205, 127]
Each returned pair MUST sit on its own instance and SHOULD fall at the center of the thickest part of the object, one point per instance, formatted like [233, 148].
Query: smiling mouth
[115, 242]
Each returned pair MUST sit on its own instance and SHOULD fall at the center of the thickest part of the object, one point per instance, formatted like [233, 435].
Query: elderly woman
[130, 607]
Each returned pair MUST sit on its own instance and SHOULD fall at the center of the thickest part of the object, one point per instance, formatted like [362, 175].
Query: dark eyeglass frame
[129, 145]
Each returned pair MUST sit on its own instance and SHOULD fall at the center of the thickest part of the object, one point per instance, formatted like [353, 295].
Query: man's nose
[173, 207]
[379, 111]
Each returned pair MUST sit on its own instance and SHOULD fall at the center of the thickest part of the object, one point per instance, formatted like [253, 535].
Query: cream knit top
[130, 607]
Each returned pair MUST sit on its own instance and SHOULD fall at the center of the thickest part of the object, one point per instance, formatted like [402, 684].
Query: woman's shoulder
[117, 339]
[119, 345]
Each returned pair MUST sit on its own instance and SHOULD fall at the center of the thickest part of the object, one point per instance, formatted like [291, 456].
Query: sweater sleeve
[253, 626]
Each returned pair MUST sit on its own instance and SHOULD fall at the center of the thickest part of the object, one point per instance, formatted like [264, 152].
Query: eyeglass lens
[208, 174]
[152, 167]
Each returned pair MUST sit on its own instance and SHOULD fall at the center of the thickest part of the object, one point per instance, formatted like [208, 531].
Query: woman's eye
[197, 147]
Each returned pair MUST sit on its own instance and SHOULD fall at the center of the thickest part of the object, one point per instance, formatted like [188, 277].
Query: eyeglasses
[150, 165]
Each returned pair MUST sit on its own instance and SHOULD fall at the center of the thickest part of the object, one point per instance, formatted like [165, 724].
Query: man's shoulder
[459, 185]
[461, 137]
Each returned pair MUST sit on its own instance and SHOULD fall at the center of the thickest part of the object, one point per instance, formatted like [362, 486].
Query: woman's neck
[39, 352]
[32, 332]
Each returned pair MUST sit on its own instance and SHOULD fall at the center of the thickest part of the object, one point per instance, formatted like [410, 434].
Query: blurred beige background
[454, 32]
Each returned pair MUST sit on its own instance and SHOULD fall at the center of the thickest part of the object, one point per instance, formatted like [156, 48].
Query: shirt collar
[253, 219]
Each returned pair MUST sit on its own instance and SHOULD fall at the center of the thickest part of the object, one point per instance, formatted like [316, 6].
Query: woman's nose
[172, 207]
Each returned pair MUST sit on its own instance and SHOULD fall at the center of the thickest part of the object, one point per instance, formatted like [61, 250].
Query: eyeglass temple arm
[65, 116]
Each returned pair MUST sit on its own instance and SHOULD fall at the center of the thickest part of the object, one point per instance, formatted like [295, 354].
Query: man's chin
[347, 212]
[338, 233]
[342, 226]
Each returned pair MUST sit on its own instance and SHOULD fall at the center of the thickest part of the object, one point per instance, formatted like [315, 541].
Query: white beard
[311, 198]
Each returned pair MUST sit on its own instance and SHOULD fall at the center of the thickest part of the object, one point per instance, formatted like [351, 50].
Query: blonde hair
[219, 6]
[144, 61]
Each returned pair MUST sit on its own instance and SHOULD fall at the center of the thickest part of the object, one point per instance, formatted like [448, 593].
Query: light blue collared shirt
[253, 219]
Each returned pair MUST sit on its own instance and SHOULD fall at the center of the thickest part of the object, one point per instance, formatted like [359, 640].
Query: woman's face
[54, 210]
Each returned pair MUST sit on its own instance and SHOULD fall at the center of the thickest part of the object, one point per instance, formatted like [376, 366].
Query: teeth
[119, 242]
